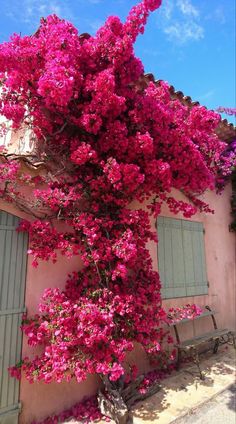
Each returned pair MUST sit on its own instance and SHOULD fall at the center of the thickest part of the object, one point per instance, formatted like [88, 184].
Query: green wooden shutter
[194, 254]
[13, 256]
[181, 258]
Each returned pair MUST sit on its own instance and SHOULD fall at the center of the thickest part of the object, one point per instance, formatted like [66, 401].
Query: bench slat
[204, 337]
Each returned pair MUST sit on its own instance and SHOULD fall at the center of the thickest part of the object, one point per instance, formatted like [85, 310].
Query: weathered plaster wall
[220, 247]
[40, 400]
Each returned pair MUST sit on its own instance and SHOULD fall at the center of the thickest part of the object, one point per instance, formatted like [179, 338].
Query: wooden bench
[191, 347]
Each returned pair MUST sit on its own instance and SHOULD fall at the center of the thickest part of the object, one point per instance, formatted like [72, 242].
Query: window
[181, 258]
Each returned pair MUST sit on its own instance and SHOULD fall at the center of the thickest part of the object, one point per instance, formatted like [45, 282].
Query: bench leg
[197, 362]
[179, 357]
[231, 339]
[216, 345]
[234, 341]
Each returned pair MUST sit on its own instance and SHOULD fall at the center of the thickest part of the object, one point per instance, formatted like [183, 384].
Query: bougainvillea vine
[227, 110]
[228, 168]
[107, 136]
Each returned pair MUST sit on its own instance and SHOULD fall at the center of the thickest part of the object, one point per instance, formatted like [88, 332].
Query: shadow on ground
[232, 401]
[184, 389]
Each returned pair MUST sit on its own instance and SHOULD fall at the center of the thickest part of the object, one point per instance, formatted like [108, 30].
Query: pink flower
[108, 136]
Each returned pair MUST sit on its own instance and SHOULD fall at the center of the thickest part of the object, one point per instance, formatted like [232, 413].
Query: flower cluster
[86, 412]
[108, 136]
[228, 173]
[8, 173]
[89, 328]
[187, 312]
[46, 240]
[151, 378]
[227, 164]
[227, 168]
[227, 110]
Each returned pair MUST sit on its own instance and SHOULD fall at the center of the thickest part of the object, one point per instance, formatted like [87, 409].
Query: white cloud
[206, 95]
[180, 21]
[30, 11]
[187, 8]
[167, 9]
[218, 14]
[33, 9]
[183, 32]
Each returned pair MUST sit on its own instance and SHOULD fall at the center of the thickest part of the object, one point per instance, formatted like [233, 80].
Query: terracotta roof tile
[226, 131]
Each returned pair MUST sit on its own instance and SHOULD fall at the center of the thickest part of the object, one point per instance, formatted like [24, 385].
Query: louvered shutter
[13, 258]
[181, 258]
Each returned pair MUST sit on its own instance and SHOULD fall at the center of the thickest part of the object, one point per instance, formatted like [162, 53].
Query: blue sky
[189, 43]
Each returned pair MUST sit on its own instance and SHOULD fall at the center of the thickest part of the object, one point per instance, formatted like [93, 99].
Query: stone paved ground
[183, 392]
[221, 409]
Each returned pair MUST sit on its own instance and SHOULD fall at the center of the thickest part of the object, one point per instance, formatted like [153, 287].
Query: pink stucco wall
[40, 400]
[220, 248]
